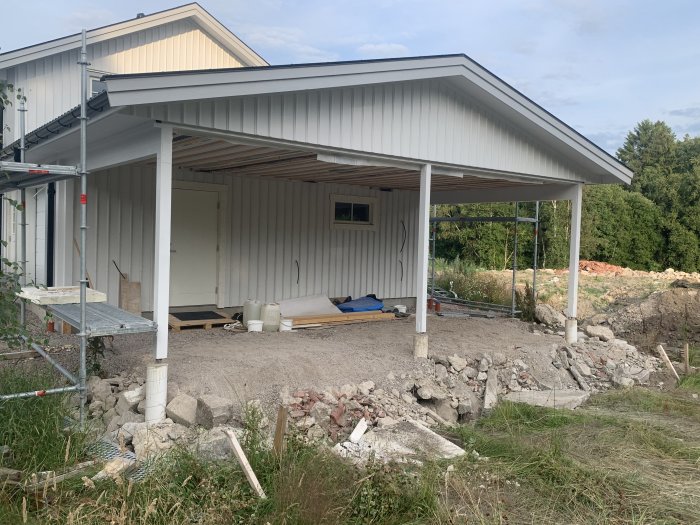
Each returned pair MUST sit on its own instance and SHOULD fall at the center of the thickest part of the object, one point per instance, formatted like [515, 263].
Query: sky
[601, 66]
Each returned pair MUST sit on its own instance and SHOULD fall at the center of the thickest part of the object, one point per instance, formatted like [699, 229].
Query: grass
[629, 456]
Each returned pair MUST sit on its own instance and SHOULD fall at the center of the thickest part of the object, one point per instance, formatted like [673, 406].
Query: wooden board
[207, 324]
[340, 318]
[60, 295]
[130, 296]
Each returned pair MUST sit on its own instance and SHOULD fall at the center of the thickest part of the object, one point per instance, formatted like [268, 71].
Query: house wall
[271, 223]
[52, 87]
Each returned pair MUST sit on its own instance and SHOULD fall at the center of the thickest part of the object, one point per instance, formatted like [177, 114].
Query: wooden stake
[243, 462]
[280, 431]
[664, 357]
[686, 358]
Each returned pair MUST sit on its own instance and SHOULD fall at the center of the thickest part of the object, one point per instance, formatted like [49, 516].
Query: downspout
[50, 233]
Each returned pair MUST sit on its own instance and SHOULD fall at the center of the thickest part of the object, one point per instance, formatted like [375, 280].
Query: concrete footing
[156, 392]
[571, 330]
[420, 346]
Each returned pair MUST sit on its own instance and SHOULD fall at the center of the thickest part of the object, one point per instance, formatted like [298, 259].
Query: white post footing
[156, 392]
[571, 330]
[420, 346]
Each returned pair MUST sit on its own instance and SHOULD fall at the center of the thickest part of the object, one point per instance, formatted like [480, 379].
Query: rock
[173, 392]
[152, 440]
[522, 365]
[215, 445]
[348, 390]
[425, 392]
[120, 419]
[407, 398]
[484, 365]
[316, 433]
[98, 389]
[383, 422]
[601, 332]
[129, 399]
[183, 410]
[322, 414]
[212, 411]
[457, 362]
[444, 409]
[338, 414]
[499, 359]
[549, 398]
[481, 376]
[468, 404]
[440, 372]
[491, 392]
[622, 381]
[549, 316]
[583, 369]
[365, 387]
[468, 373]
[109, 415]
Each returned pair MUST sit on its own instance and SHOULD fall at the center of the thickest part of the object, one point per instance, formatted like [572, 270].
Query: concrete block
[549, 398]
[213, 411]
[183, 410]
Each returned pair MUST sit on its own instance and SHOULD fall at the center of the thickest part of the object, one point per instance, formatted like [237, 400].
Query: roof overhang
[193, 11]
[465, 74]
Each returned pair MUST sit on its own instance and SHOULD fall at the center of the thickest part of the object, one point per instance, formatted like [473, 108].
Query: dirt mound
[671, 316]
[597, 267]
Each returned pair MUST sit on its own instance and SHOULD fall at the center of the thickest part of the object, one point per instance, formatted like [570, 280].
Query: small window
[354, 212]
[97, 86]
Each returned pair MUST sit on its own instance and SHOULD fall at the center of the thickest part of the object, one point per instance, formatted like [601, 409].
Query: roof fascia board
[145, 89]
[522, 193]
[203, 19]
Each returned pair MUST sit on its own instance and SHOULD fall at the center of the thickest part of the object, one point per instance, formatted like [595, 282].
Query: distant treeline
[651, 225]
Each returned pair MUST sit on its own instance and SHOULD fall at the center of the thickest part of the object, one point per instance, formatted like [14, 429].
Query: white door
[193, 250]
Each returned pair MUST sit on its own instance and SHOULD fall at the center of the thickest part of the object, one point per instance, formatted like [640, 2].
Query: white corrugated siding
[273, 223]
[425, 119]
[52, 87]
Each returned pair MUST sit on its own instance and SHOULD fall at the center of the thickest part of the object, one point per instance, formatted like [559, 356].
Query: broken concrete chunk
[444, 409]
[365, 387]
[359, 431]
[322, 414]
[213, 411]
[549, 398]
[549, 316]
[183, 410]
[129, 399]
[98, 389]
[425, 392]
[601, 332]
[215, 445]
[440, 372]
[491, 392]
[499, 359]
[468, 373]
[457, 362]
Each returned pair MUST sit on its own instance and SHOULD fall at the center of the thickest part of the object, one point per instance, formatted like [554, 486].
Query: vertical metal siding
[428, 120]
[273, 223]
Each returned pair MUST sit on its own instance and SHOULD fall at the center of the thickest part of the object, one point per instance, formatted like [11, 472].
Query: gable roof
[466, 75]
[193, 11]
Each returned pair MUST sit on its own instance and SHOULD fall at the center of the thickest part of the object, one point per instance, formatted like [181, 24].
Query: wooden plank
[176, 324]
[340, 323]
[280, 431]
[665, 359]
[333, 318]
[243, 462]
[13, 356]
[59, 295]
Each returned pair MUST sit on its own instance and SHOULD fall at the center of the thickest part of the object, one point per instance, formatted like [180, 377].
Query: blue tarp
[363, 304]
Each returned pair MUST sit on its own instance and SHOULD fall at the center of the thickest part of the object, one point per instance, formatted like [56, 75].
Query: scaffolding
[92, 319]
[450, 297]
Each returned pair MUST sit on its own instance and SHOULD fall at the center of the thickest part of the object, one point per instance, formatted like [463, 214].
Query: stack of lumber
[309, 321]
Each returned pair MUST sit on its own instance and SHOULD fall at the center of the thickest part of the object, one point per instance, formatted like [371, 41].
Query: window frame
[372, 202]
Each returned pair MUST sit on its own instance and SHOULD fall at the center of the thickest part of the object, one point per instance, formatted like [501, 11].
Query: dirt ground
[243, 366]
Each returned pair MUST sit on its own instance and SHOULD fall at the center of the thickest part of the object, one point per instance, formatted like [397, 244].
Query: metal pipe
[515, 262]
[40, 393]
[83, 226]
[39, 350]
[534, 257]
[432, 265]
[482, 219]
[23, 213]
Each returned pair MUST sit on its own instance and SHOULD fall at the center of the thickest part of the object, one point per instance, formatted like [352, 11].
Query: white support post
[423, 250]
[157, 375]
[161, 270]
[574, 246]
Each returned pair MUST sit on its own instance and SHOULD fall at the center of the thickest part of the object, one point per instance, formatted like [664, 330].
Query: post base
[571, 330]
[420, 346]
[156, 392]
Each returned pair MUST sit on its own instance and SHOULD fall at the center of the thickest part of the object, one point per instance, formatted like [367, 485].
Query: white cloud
[386, 49]
[290, 42]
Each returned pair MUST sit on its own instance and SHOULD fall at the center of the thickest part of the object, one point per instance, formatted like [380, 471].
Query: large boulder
[183, 410]
[549, 316]
[601, 332]
[213, 411]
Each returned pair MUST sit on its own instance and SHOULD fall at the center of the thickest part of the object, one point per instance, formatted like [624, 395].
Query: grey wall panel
[272, 223]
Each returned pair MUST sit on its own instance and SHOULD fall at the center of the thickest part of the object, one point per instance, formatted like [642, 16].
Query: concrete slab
[549, 398]
[406, 441]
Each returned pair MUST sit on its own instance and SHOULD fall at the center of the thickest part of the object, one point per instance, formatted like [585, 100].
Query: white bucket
[401, 308]
[286, 325]
[255, 325]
